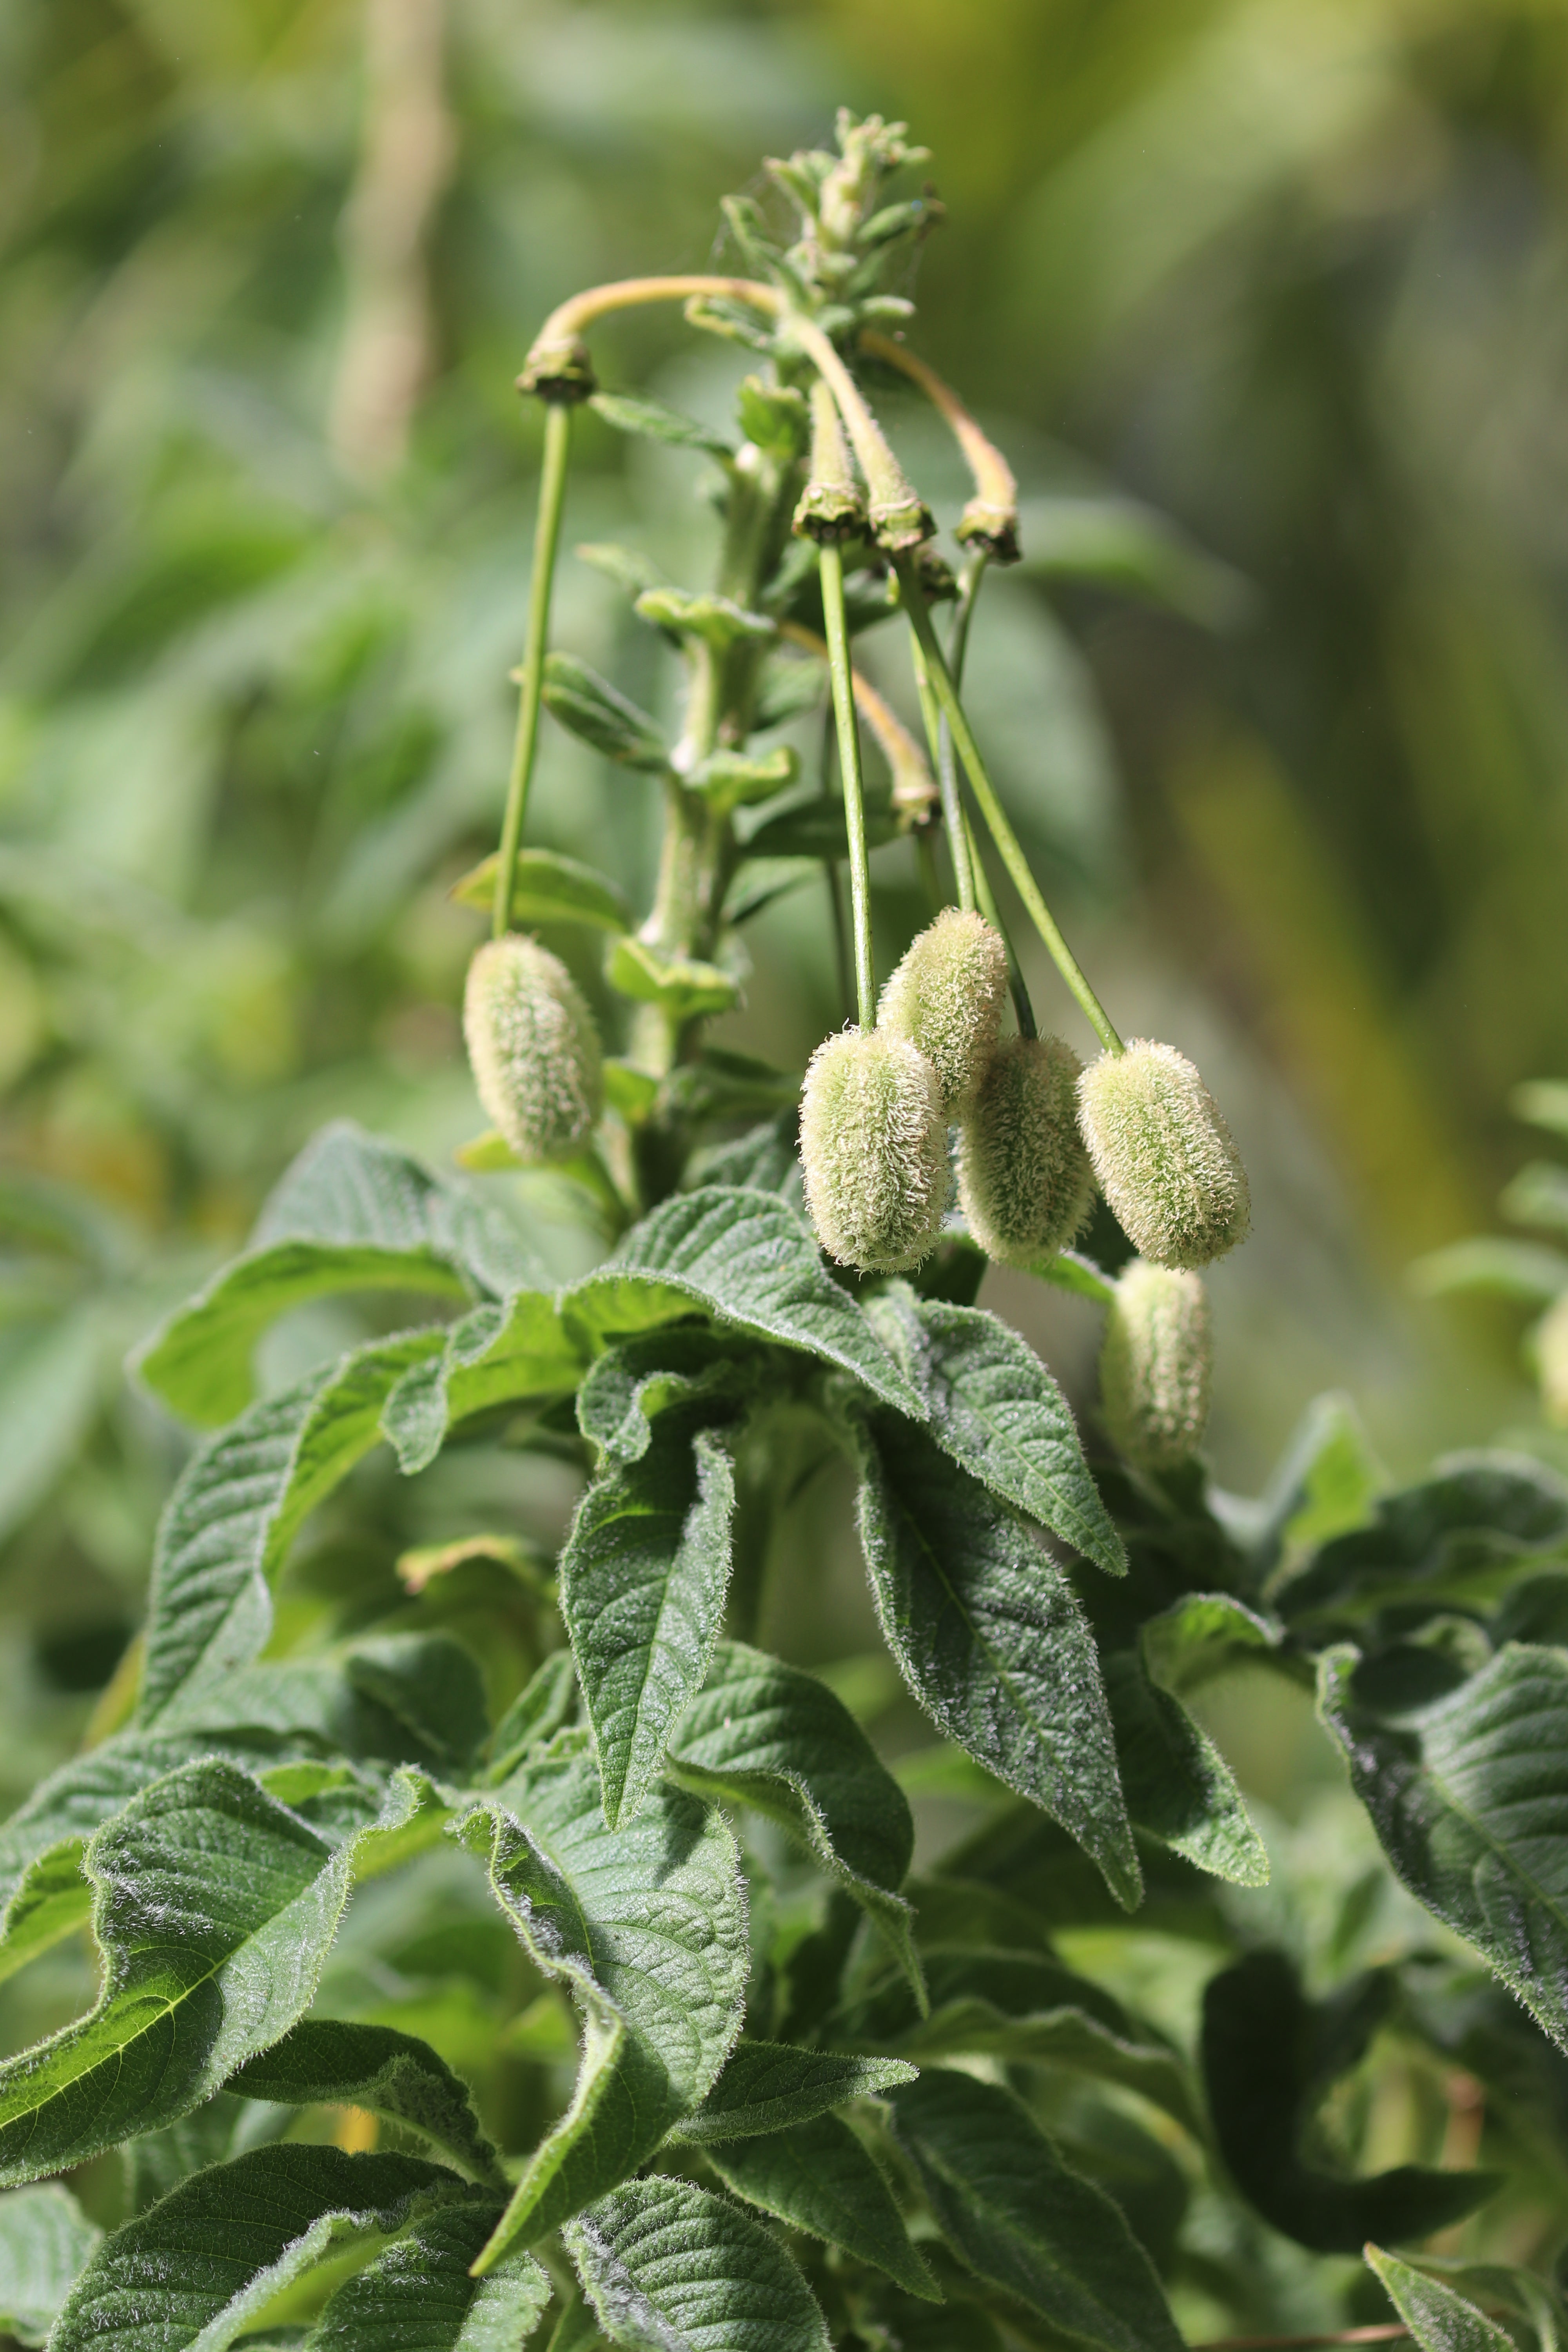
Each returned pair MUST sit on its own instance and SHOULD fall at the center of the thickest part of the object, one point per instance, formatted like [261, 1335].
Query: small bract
[533, 1047]
[873, 1144]
[1165, 1157]
[946, 997]
[1024, 1178]
[1154, 1366]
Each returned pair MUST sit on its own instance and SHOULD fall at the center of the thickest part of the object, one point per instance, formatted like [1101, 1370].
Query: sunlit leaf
[818, 2177]
[668, 2268]
[45, 2240]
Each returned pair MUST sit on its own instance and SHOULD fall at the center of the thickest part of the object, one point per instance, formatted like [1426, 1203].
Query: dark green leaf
[630, 1385]
[990, 1638]
[45, 2240]
[1023, 2221]
[1178, 1786]
[992, 1405]
[763, 1161]
[815, 829]
[724, 1084]
[788, 688]
[817, 2176]
[758, 881]
[1459, 1539]
[327, 2062]
[656, 423]
[418, 2295]
[643, 1579]
[669, 2268]
[590, 706]
[549, 888]
[158, 2161]
[1119, 544]
[1439, 2319]
[399, 1698]
[769, 2086]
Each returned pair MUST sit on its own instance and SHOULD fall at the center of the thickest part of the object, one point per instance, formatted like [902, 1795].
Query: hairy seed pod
[1154, 1366]
[1165, 1157]
[946, 997]
[873, 1143]
[1024, 1178]
[1552, 1362]
[532, 1048]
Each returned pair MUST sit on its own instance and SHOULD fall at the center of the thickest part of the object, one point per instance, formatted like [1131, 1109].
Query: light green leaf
[630, 1385]
[327, 2062]
[1538, 1195]
[669, 2268]
[549, 888]
[44, 2239]
[1201, 1635]
[48, 1395]
[418, 2295]
[772, 1737]
[1499, 2286]
[1326, 1482]
[645, 1927]
[817, 2176]
[656, 423]
[769, 2086]
[989, 1636]
[991, 1404]
[1022, 2220]
[746, 1257]
[1470, 1799]
[732, 780]
[643, 1579]
[717, 620]
[1439, 2319]
[590, 706]
[679, 985]
[1543, 1102]
[1178, 1786]
[503, 1354]
[1491, 1263]
[1070, 1270]
[545, 1705]
[197, 2269]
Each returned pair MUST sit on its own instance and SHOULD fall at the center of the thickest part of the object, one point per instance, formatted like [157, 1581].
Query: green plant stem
[832, 564]
[925, 860]
[546, 538]
[973, 572]
[996, 816]
[1017, 988]
[952, 823]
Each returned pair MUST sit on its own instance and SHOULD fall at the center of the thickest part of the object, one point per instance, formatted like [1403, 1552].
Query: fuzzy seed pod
[1552, 1362]
[873, 1143]
[1024, 1178]
[1154, 1366]
[533, 1047]
[1165, 1157]
[946, 997]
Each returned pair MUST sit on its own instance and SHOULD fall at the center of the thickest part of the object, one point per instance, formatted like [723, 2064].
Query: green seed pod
[946, 997]
[1024, 1178]
[532, 1048]
[873, 1143]
[1552, 1362]
[1154, 1366]
[1165, 1157]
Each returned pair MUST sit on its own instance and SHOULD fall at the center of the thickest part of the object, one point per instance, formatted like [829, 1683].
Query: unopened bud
[1165, 1157]
[1552, 1362]
[1154, 1366]
[1024, 1178]
[946, 998]
[832, 506]
[873, 1143]
[533, 1047]
[559, 368]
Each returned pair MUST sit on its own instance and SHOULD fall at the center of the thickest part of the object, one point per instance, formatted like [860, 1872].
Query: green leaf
[222, 2128]
[645, 1927]
[545, 1705]
[628, 567]
[722, 1084]
[732, 780]
[767, 2086]
[44, 2239]
[200, 2266]
[1438, 2319]
[679, 985]
[643, 1579]
[1503, 2285]
[326, 2061]
[1122, 545]
[745, 1256]
[1543, 1102]
[992, 1405]
[1178, 1786]
[1201, 1635]
[1327, 1482]
[418, 2295]
[213, 1906]
[656, 423]
[1488, 1263]
[815, 829]
[989, 1636]
[669, 2268]
[49, 1392]
[1459, 1539]
[549, 888]
[1469, 1800]
[1023, 2221]
[772, 1737]
[718, 621]
[788, 688]
[1269, 2057]
[630, 1385]
[398, 1698]
[239, 1505]
[504, 1354]
[1538, 1195]
[590, 706]
[817, 2176]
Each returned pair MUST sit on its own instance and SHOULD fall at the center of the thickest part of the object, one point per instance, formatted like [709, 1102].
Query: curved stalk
[557, 363]
[546, 540]
[832, 564]
[899, 516]
[991, 518]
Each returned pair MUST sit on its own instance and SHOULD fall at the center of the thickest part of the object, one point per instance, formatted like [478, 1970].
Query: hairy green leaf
[327, 2062]
[628, 1386]
[990, 1638]
[503, 1354]
[1178, 1786]
[769, 2086]
[1022, 2220]
[669, 2268]
[348, 1188]
[45, 2240]
[397, 1698]
[549, 888]
[1201, 1635]
[818, 2177]
[1459, 1539]
[419, 2295]
[657, 422]
[545, 1705]
[592, 707]
[1439, 2319]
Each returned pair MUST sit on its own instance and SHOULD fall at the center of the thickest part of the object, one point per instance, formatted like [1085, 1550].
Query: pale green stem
[991, 809]
[973, 572]
[832, 565]
[546, 538]
[952, 823]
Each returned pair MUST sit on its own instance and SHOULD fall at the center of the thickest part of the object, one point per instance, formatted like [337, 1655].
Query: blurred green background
[1268, 294]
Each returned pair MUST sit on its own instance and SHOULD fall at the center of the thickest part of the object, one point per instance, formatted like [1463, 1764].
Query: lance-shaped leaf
[657, 422]
[1439, 2318]
[549, 888]
[328, 2061]
[668, 2268]
[1495, 2286]
[397, 1698]
[746, 1257]
[213, 1906]
[990, 1637]
[1025, 2221]
[1470, 1799]
[769, 1736]
[419, 2295]
[991, 1404]
[819, 2178]
[590, 706]
[45, 2240]
[769, 2086]
[1460, 1538]
[1178, 1786]
[504, 1354]
[238, 1503]
[545, 1705]
[645, 1927]
[196, 2270]
[643, 1580]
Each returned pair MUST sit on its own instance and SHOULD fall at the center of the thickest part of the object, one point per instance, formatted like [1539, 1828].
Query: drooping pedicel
[533, 1047]
[1154, 1366]
[946, 997]
[1024, 1183]
[1165, 1159]
[873, 1144]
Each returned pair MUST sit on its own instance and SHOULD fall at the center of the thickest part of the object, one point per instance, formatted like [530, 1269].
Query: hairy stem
[546, 538]
[832, 565]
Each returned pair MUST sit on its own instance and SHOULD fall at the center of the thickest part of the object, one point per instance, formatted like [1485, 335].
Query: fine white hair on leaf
[1165, 1159]
[1154, 1366]
[873, 1146]
[1024, 1178]
[532, 1048]
[946, 998]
